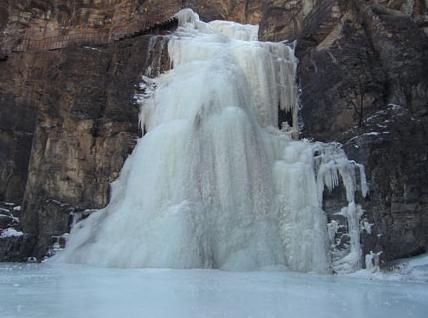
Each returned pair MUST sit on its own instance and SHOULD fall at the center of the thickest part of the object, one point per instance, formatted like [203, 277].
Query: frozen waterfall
[215, 183]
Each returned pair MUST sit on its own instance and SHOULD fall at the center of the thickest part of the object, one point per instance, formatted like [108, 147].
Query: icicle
[333, 227]
[363, 180]
[366, 226]
[351, 261]
[372, 262]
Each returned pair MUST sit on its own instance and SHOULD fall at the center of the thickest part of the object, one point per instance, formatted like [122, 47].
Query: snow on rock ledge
[10, 232]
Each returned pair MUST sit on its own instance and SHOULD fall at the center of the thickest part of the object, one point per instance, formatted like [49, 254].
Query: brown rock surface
[87, 125]
[363, 78]
[17, 122]
[48, 18]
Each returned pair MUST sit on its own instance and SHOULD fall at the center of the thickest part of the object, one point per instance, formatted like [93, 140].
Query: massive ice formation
[215, 183]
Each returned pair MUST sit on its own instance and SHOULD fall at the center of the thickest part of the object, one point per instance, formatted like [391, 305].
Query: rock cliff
[362, 72]
[68, 118]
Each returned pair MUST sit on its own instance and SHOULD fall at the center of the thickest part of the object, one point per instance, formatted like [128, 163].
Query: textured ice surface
[74, 291]
[215, 183]
[410, 269]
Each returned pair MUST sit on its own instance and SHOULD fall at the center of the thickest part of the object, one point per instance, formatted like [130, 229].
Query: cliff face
[363, 77]
[86, 126]
[68, 118]
[46, 18]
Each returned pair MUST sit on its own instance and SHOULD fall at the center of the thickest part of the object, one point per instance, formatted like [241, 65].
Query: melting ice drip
[214, 183]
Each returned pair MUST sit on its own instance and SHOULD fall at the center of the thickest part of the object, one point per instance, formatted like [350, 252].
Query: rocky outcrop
[36, 19]
[283, 19]
[15, 246]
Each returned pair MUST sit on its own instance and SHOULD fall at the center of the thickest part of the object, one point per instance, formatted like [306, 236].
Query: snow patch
[10, 232]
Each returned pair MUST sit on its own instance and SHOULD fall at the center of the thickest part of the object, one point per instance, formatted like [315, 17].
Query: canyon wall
[68, 119]
[363, 77]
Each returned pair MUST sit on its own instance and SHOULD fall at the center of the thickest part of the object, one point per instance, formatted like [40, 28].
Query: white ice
[214, 183]
[409, 269]
[70, 291]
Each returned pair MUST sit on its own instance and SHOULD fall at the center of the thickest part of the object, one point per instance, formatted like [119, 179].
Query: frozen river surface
[56, 291]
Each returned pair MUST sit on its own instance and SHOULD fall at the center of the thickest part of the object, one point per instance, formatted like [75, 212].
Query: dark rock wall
[46, 18]
[283, 19]
[363, 74]
[68, 122]
[17, 122]
[87, 125]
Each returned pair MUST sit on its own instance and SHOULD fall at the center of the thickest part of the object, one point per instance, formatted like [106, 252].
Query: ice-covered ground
[57, 291]
[410, 269]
